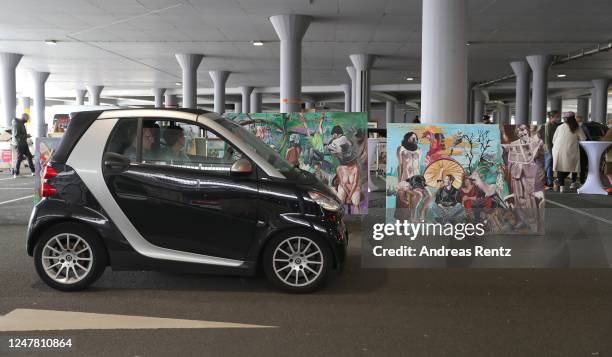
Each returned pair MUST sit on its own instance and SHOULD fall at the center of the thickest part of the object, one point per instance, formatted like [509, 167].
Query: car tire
[297, 254]
[69, 257]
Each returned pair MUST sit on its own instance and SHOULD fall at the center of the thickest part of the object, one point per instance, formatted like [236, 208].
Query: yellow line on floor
[53, 320]
[579, 211]
[16, 199]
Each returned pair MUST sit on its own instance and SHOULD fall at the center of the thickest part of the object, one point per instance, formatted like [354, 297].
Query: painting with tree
[453, 173]
[331, 145]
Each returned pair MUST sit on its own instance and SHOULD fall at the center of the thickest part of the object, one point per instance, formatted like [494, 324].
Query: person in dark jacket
[19, 140]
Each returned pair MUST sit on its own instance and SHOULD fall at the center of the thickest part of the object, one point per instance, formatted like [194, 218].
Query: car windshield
[263, 150]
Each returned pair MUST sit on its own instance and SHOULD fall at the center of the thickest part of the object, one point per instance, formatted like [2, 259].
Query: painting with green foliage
[331, 145]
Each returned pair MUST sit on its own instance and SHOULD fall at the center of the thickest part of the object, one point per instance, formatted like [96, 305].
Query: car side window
[186, 145]
[123, 139]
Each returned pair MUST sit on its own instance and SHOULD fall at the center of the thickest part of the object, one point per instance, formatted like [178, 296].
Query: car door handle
[129, 196]
[115, 161]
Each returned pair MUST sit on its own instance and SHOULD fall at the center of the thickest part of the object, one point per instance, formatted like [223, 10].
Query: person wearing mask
[19, 140]
[566, 152]
[549, 132]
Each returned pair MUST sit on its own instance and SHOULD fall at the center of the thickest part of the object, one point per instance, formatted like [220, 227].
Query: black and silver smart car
[184, 190]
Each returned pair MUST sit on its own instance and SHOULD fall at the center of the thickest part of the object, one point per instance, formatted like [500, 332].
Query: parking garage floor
[422, 312]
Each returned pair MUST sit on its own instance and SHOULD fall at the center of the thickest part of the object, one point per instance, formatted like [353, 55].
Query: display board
[466, 173]
[332, 145]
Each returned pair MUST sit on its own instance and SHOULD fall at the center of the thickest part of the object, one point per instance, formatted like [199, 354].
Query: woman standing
[566, 151]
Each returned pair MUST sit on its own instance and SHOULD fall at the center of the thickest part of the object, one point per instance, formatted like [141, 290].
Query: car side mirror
[241, 167]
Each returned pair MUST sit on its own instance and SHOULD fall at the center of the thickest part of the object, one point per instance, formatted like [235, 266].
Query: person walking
[566, 152]
[19, 140]
[549, 132]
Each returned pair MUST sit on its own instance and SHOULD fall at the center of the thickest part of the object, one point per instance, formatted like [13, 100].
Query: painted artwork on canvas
[455, 173]
[331, 145]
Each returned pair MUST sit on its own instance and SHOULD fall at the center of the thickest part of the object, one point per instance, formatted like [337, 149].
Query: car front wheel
[69, 257]
[297, 262]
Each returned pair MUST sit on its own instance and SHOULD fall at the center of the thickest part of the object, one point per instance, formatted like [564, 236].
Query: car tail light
[47, 189]
[49, 172]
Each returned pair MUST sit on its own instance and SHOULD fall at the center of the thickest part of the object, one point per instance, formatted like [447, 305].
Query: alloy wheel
[67, 258]
[297, 261]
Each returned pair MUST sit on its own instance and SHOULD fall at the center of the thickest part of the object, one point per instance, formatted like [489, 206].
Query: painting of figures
[331, 145]
[458, 173]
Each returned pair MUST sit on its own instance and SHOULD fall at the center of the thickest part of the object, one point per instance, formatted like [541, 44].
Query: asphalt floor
[369, 312]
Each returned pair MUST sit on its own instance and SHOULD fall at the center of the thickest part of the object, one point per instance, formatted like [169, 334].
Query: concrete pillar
[556, 104]
[189, 63]
[479, 106]
[159, 97]
[170, 101]
[390, 111]
[237, 107]
[539, 66]
[25, 104]
[346, 88]
[363, 63]
[599, 110]
[219, 78]
[94, 94]
[290, 29]
[583, 108]
[521, 71]
[80, 96]
[351, 72]
[38, 114]
[504, 114]
[246, 98]
[444, 94]
[256, 102]
[8, 64]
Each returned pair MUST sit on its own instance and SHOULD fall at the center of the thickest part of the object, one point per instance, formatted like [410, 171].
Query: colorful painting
[332, 145]
[456, 173]
[523, 157]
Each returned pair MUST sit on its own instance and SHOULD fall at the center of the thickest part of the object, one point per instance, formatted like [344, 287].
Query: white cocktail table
[593, 184]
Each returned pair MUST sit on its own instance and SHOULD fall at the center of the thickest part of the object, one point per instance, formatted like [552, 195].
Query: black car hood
[308, 181]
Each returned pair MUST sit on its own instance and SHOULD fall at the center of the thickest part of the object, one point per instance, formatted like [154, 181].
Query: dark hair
[451, 178]
[407, 144]
[337, 130]
[572, 123]
[171, 134]
[553, 113]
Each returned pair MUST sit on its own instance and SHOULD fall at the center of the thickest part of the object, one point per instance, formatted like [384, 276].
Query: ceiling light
[562, 75]
[51, 42]
[468, 43]
[178, 83]
[410, 78]
[257, 43]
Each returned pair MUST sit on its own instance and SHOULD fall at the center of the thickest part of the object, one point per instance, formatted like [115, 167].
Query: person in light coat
[566, 151]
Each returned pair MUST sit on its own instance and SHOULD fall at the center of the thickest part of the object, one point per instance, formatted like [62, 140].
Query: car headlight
[326, 202]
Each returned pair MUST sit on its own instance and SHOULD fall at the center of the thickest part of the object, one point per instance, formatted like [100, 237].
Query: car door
[177, 189]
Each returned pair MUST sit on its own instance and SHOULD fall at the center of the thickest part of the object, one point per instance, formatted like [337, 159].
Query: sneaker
[562, 189]
[14, 176]
[574, 186]
[32, 174]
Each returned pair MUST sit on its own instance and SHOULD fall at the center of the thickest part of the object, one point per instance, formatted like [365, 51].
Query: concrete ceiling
[130, 44]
